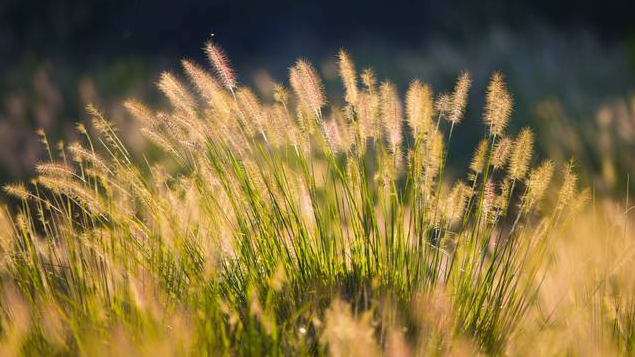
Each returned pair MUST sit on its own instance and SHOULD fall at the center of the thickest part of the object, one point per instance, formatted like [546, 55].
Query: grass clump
[283, 227]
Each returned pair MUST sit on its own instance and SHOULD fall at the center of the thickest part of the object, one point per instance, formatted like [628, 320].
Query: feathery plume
[443, 104]
[280, 94]
[140, 112]
[480, 155]
[54, 170]
[17, 190]
[498, 105]
[369, 79]
[568, 190]
[208, 88]
[82, 154]
[252, 109]
[391, 113]
[459, 98]
[501, 153]
[349, 77]
[521, 154]
[178, 95]
[307, 86]
[419, 108]
[538, 182]
[221, 65]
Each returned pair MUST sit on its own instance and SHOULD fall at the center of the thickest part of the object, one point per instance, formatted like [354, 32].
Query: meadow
[291, 226]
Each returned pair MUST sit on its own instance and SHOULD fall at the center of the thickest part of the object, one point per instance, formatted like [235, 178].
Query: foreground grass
[289, 228]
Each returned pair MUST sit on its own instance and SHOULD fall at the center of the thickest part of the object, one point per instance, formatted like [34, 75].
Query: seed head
[568, 190]
[521, 154]
[419, 108]
[459, 98]
[391, 113]
[17, 190]
[478, 160]
[498, 105]
[221, 65]
[501, 153]
[307, 86]
[349, 77]
[538, 182]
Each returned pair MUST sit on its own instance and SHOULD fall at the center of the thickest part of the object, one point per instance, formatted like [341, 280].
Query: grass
[293, 228]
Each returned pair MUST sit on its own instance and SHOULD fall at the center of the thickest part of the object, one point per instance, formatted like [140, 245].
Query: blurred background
[570, 65]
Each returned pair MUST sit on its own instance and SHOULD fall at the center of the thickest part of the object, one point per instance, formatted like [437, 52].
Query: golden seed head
[307, 86]
[501, 153]
[280, 93]
[538, 182]
[349, 77]
[521, 154]
[391, 113]
[221, 65]
[568, 190]
[480, 155]
[369, 79]
[419, 108]
[498, 105]
[176, 92]
[17, 190]
[459, 98]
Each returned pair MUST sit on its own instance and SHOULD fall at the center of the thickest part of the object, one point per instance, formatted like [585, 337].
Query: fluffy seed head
[478, 160]
[349, 77]
[17, 190]
[179, 97]
[391, 113]
[419, 108]
[501, 153]
[498, 105]
[521, 154]
[369, 79]
[307, 86]
[221, 65]
[568, 190]
[538, 182]
[459, 98]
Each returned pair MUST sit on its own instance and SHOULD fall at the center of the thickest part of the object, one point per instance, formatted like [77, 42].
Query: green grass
[283, 228]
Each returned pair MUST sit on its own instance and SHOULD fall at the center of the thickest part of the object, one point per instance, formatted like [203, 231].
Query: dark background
[57, 56]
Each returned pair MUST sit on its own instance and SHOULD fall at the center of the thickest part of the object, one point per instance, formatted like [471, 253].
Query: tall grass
[287, 227]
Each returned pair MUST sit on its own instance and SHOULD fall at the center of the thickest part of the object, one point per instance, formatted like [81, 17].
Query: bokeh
[570, 65]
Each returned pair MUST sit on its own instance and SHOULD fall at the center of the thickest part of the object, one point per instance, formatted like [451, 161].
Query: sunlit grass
[288, 227]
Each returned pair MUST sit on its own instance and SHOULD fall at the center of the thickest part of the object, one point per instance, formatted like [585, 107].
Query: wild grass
[289, 227]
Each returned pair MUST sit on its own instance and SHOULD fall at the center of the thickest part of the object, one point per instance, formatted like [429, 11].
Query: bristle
[391, 114]
[419, 108]
[82, 154]
[178, 95]
[307, 86]
[17, 190]
[521, 154]
[538, 182]
[369, 79]
[459, 98]
[221, 65]
[568, 190]
[54, 170]
[280, 94]
[443, 104]
[349, 77]
[141, 113]
[501, 153]
[209, 89]
[498, 105]
[480, 155]
[252, 109]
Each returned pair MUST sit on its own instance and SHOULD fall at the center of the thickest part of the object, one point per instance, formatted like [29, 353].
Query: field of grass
[293, 227]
